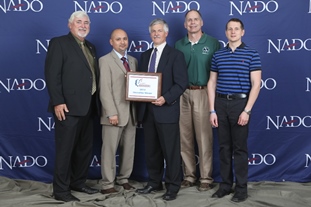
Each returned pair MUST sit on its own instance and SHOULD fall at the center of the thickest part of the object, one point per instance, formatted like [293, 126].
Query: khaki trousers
[115, 137]
[195, 126]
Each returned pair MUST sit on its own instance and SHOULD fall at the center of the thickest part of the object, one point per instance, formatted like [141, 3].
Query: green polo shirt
[198, 57]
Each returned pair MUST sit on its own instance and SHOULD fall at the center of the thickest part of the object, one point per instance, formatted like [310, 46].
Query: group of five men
[202, 85]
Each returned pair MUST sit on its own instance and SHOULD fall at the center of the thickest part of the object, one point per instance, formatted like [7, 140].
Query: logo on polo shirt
[253, 7]
[98, 7]
[21, 6]
[205, 50]
[173, 7]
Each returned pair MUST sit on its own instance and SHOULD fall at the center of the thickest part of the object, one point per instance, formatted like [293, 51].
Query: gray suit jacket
[112, 86]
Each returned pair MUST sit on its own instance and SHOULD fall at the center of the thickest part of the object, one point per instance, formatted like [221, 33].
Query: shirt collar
[119, 55]
[161, 47]
[242, 45]
[78, 41]
[201, 40]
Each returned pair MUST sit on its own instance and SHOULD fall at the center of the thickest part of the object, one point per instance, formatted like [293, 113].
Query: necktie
[153, 61]
[126, 65]
[92, 68]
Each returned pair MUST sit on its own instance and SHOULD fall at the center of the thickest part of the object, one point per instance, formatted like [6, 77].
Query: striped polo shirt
[234, 69]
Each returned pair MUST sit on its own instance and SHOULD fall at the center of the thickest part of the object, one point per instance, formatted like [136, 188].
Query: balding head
[119, 41]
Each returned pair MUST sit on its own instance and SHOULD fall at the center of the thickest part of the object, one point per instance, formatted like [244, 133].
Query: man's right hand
[114, 120]
[60, 111]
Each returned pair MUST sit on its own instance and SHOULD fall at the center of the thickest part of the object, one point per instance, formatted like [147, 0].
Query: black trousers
[162, 142]
[73, 151]
[233, 151]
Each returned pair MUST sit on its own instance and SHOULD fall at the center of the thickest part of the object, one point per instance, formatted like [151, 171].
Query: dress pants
[162, 142]
[232, 143]
[73, 143]
[114, 138]
[195, 127]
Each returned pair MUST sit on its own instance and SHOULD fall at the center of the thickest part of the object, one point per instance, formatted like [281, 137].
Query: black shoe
[168, 196]
[239, 196]
[148, 189]
[85, 189]
[108, 191]
[220, 193]
[65, 197]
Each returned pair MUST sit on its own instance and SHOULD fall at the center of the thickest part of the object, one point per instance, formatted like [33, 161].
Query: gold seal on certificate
[143, 86]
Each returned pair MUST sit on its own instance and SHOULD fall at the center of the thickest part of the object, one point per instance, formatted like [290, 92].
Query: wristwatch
[248, 112]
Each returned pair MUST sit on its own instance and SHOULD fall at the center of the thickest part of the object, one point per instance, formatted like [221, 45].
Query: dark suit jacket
[68, 75]
[173, 67]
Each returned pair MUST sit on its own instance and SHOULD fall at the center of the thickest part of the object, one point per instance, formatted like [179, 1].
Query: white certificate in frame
[143, 86]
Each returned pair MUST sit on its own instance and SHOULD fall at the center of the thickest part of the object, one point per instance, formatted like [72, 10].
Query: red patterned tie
[126, 65]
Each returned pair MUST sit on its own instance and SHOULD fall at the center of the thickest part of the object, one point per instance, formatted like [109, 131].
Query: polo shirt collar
[242, 45]
[201, 40]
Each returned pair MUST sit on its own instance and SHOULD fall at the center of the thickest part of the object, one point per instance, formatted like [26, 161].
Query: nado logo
[25, 161]
[253, 7]
[308, 84]
[21, 5]
[95, 162]
[268, 84]
[288, 45]
[23, 84]
[308, 160]
[46, 124]
[288, 122]
[258, 159]
[42, 46]
[139, 46]
[173, 7]
[99, 7]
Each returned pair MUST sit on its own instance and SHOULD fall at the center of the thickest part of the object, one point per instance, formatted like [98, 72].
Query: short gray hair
[78, 14]
[158, 21]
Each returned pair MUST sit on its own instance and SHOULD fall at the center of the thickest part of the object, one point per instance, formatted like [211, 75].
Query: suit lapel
[145, 63]
[163, 59]
[77, 48]
[131, 63]
[118, 62]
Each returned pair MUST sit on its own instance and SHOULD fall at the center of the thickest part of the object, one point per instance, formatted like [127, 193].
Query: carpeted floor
[15, 193]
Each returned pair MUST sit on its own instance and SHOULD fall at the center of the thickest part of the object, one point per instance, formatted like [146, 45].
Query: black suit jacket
[173, 67]
[68, 75]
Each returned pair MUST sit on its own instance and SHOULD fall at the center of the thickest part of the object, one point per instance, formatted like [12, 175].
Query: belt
[196, 87]
[232, 96]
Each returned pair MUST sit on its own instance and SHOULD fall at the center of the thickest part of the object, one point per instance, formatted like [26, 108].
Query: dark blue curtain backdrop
[280, 138]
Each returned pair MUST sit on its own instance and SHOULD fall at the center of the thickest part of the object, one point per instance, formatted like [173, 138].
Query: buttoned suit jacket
[69, 76]
[113, 88]
[69, 81]
[173, 67]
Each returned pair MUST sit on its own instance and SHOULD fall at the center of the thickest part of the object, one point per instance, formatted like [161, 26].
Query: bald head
[119, 41]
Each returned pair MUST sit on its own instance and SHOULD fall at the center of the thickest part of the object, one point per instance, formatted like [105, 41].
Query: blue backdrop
[279, 141]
